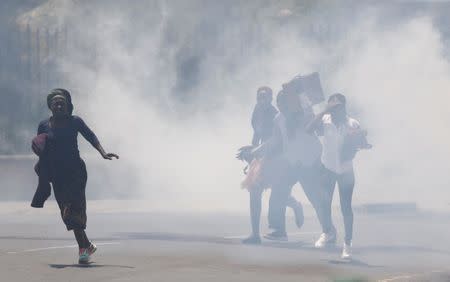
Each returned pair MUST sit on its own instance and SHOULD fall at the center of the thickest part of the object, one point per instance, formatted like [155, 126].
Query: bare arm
[90, 136]
[255, 139]
[108, 156]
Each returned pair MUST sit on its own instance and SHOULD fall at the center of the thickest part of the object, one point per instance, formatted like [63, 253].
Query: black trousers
[309, 179]
[346, 183]
[69, 186]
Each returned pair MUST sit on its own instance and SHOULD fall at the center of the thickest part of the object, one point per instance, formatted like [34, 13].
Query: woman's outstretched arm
[90, 136]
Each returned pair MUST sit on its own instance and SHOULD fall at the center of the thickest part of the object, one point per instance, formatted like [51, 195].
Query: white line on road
[59, 247]
[289, 234]
[408, 277]
[398, 278]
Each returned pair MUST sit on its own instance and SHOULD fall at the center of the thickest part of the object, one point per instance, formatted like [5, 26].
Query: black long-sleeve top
[62, 143]
[262, 123]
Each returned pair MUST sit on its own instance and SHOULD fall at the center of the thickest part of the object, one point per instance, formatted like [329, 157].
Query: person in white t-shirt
[342, 139]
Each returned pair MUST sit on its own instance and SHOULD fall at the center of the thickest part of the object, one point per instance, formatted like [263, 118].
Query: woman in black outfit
[60, 164]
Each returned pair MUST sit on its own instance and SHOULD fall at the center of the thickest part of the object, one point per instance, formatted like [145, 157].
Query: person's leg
[310, 179]
[346, 184]
[281, 180]
[273, 211]
[277, 208]
[255, 210]
[77, 218]
[86, 248]
[255, 215]
[297, 207]
[82, 239]
[271, 214]
[276, 175]
[328, 183]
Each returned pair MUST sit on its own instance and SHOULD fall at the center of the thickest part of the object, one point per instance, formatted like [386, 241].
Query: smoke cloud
[170, 85]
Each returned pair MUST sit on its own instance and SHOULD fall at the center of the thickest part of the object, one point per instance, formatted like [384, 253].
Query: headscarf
[60, 92]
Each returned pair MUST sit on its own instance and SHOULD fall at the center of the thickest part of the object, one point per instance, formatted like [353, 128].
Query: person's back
[302, 147]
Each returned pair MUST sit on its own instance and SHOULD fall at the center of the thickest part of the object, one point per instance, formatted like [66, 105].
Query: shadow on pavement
[193, 238]
[354, 262]
[396, 249]
[88, 265]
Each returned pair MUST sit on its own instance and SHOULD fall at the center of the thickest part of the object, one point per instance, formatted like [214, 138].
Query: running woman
[61, 165]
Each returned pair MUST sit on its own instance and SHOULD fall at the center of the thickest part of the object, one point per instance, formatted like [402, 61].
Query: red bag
[38, 143]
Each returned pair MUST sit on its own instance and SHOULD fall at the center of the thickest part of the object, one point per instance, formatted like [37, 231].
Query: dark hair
[62, 92]
[341, 98]
[264, 89]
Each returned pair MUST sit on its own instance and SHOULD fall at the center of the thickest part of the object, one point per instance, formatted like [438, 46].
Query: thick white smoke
[399, 81]
[182, 154]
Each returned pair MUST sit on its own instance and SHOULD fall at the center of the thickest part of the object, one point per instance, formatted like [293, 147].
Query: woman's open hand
[110, 156]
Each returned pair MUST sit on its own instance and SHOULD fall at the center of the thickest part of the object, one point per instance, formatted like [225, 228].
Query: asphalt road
[151, 246]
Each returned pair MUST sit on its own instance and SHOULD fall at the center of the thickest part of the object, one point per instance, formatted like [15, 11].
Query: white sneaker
[347, 251]
[326, 239]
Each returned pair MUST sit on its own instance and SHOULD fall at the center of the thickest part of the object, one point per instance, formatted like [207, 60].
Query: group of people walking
[292, 145]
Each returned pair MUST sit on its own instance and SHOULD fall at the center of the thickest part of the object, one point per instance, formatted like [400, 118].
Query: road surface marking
[289, 234]
[395, 278]
[58, 247]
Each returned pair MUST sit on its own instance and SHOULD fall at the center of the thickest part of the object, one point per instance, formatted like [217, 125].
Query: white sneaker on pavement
[326, 239]
[347, 251]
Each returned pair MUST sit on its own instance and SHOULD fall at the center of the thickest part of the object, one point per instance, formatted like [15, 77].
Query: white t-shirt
[333, 140]
[304, 148]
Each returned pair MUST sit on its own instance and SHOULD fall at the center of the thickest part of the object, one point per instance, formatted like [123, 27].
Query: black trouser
[346, 183]
[69, 185]
[82, 239]
[309, 178]
[290, 203]
[255, 210]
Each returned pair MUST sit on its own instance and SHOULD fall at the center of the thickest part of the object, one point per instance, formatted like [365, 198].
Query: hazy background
[170, 86]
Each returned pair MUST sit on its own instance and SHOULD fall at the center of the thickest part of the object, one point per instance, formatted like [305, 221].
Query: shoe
[92, 249]
[252, 240]
[85, 254]
[326, 239]
[347, 251]
[277, 236]
[298, 212]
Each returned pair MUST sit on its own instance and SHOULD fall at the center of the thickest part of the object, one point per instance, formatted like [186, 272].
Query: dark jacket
[43, 190]
[262, 123]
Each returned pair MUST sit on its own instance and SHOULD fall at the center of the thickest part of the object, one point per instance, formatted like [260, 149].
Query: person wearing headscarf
[60, 164]
[263, 115]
